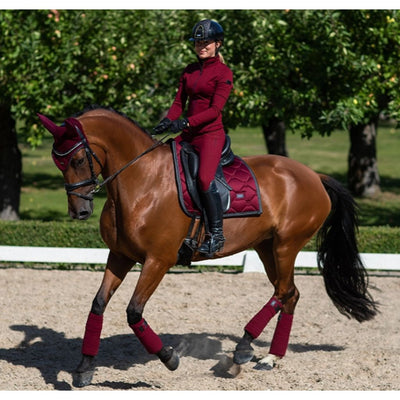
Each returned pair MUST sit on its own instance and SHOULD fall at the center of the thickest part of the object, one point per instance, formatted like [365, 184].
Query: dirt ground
[43, 313]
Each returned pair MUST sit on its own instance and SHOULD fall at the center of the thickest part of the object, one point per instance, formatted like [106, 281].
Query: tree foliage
[316, 70]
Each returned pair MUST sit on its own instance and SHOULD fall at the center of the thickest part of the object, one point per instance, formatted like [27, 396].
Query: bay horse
[142, 222]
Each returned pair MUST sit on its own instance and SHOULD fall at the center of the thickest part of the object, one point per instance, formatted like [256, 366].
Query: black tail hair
[345, 277]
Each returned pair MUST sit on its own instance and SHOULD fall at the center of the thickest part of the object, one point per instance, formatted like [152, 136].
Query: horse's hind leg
[284, 300]
[280, 340]
[115, 272]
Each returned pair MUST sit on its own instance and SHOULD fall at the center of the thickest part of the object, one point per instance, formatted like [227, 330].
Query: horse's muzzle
[81, 209]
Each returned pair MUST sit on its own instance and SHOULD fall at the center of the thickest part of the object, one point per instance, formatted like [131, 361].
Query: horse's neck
[125, 143]
[138, 174]
[127, 139]
[120, 139]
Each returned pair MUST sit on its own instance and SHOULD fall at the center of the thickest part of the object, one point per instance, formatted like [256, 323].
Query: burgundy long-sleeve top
[207, 84]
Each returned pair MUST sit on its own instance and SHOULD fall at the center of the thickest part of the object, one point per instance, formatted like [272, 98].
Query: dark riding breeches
[209, 148]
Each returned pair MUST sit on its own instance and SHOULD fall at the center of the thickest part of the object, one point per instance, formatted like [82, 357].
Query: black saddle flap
[190, 165]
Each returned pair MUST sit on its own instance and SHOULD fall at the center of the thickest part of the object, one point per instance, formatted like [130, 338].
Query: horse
[142, 222]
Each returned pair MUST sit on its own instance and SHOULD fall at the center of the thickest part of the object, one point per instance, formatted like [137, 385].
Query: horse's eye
[78, 162]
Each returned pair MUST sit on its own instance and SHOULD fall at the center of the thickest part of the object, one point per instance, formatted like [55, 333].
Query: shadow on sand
[51, 353]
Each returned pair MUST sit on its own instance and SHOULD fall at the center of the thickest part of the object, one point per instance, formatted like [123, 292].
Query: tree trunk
[363, 176]
[274, 135]
[10, 167]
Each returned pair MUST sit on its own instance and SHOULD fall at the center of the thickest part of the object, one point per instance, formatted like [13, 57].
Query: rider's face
[206, 48]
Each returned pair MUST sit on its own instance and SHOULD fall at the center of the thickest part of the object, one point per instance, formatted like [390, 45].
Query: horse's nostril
[84, 215]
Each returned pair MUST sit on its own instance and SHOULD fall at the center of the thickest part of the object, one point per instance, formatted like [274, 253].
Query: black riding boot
[211, 202]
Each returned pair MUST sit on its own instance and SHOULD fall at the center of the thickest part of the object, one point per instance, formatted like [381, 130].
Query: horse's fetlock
[87, 363]
[98, 306]
[133, 316]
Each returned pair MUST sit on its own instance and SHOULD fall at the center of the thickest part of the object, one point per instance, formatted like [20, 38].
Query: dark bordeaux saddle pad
[244, 191]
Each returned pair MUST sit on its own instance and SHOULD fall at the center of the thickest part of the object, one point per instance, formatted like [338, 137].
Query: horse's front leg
[116, 270]
[151, 275]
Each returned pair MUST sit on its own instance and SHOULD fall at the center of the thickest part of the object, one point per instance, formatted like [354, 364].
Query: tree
[375, 40]
[318, 71]
[58, 62]
[275, 137]
[311, 70]
[10, 167]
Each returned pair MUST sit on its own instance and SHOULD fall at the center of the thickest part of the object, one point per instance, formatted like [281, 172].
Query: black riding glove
[162, 126]
[178, 125]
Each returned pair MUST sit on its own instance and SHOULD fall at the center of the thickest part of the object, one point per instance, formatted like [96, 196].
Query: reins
[115, 174]
[93, 180]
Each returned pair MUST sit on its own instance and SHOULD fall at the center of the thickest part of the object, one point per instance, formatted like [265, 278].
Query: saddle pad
[245, 194]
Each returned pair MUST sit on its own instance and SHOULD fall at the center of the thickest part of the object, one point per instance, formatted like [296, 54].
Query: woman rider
[207, 84]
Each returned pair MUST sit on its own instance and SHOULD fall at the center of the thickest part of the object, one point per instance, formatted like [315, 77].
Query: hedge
[50, 234]
[376, 239]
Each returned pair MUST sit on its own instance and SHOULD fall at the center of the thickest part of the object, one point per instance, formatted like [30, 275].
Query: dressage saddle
[190, 166]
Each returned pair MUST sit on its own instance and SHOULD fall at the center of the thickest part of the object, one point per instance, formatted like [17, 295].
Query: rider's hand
[162, 126]
[178, 125]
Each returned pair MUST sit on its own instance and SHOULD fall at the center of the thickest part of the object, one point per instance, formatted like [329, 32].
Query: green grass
[43, 196]
[325, 154]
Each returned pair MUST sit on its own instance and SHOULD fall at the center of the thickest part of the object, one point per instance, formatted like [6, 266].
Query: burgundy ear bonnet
[68, 139]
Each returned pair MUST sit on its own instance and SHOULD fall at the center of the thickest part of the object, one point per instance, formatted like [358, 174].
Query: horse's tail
[339, 262]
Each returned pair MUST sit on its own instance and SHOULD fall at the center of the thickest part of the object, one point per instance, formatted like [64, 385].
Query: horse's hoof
[81, 379]
[242, 356]
[243, 352]
[169, 357]
[83, 374]
[263, 367]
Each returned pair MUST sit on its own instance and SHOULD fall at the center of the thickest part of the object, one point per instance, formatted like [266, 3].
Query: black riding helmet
[207, 30]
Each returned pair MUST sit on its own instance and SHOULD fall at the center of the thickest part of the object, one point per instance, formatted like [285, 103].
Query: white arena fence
[249, 259]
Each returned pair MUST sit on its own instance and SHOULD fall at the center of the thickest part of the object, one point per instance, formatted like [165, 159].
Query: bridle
[93, 180]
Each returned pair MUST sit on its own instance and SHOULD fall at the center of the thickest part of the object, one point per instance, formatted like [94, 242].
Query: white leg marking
[267, 363]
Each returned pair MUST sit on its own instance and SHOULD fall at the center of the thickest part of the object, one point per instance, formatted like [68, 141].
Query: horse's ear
[55, 130]
[72, 126]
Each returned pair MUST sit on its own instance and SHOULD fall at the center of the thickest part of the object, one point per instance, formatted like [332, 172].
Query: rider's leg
[212, 204]
[209, 147]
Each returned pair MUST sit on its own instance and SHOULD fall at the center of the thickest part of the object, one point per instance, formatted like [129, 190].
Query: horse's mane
[92, 107]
